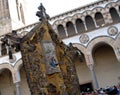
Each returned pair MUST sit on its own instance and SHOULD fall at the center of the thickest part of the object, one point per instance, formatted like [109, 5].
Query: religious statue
[12, 42]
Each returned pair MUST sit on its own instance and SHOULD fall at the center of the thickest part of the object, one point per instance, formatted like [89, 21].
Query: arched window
[70, 29]
[22, 14]
[99, 19]
[80, 26]
[61, 31]
[89, 23]
[114, 15]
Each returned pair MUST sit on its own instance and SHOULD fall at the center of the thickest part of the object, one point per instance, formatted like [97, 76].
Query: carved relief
[84, 38]
[112, 31]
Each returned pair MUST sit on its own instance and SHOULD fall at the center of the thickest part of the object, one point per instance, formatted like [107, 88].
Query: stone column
[16, 80]
[85, 26]
[75, 29]
[66, 31]
[96, 26]
[18, 92]
[95, 82]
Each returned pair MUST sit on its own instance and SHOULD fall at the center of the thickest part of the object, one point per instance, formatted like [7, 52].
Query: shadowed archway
[6, 83]
[114, 14]
[106, 65]
[89, 23]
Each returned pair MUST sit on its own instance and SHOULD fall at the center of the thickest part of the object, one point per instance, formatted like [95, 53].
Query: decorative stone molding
[112, 31]
[23, 33]
[12, 60]
[84, 38]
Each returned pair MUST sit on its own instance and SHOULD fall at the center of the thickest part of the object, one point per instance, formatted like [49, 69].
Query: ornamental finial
[42, 13]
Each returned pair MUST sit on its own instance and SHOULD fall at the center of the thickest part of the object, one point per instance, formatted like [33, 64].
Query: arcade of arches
[100, 65]
[77, 26]
[106, 67]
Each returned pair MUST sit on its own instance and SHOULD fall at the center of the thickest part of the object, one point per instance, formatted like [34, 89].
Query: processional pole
[48, 62]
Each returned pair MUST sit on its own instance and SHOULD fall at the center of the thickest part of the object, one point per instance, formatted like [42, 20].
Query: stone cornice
[81, 8]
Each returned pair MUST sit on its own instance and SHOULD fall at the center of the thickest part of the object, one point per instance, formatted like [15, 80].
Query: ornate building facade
[93, 29]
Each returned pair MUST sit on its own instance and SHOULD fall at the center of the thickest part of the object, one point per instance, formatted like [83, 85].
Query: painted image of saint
[53, 62]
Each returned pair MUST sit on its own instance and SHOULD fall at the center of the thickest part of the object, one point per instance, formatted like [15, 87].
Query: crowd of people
[113, 90]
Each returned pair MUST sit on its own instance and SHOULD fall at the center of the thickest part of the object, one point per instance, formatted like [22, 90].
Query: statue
[12, 41]
[3, 49]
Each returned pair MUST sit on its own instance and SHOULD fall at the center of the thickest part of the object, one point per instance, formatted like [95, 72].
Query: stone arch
[60, 21]
[61, 31]
[57, 22]
[6, 66]
[14, 71]
[6, 81]
[20, 76]
[88, 12]
[98, 9]
[117, 46]
[107, 40]
[107, 9]
[78, 16]
[80, 47]
[75, 16]
[97, 40]
[90, 24]
[112, 4]
[69, 18]
[97, 45]
[99, 19]
[114, 14]
[70, 28]
[80, 26]
[104, 61]
[18, 64]
[81, 66]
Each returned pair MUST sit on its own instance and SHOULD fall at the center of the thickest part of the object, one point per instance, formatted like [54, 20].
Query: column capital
[16, 76]
[89, 59]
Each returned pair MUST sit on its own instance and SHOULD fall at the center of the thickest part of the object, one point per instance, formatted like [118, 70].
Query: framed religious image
[50, 55]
